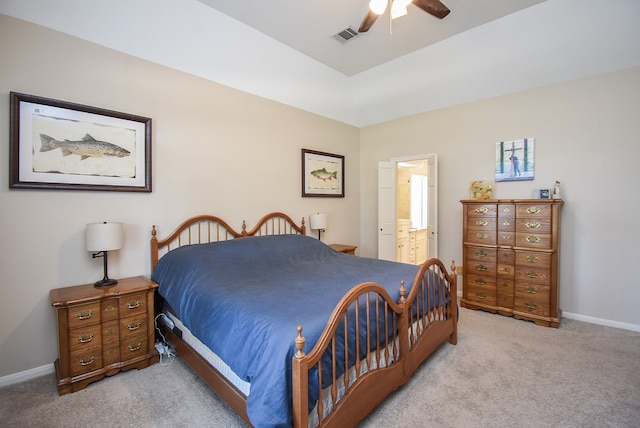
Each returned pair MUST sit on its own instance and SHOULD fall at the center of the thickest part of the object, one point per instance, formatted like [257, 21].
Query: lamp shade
[103, 236]
[318, 221]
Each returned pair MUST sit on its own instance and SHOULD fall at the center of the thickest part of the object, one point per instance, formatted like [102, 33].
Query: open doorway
[407, 209]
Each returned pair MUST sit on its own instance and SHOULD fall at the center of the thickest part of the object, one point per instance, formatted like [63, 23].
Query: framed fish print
[322, 174]
[61, 145]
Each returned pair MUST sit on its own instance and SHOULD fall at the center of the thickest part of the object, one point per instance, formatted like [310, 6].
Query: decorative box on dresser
[103, 330]
[510, 258]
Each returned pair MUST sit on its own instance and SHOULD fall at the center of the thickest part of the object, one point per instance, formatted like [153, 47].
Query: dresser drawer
[533, 225]
[485, 294]
[532, 298]
[132, 347]
[109, 309]
[111, 342]
[132, 326]
[533, 275]
[134, 304]
[533, 210]
[533, 240]
[481, 254]
[85, 337]
[533, 260]
[85, 360]
[480, 268]
[504, 293]
[82, 315]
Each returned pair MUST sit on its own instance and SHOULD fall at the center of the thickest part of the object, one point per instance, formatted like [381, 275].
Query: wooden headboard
[204, 229]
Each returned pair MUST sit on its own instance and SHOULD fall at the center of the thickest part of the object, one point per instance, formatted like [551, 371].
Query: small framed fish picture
[322, 174]
[61, 145]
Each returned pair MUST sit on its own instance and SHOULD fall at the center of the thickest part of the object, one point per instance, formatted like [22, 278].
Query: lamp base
[105, 282]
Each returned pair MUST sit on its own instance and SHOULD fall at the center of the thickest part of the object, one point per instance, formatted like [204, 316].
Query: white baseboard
[26, 375]
[608, 323]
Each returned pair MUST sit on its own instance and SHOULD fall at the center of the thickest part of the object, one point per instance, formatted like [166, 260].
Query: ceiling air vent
[345, 35]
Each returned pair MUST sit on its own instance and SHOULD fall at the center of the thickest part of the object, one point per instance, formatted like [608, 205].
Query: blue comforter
[245, 297]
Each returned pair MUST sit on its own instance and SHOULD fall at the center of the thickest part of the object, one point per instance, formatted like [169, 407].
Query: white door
[432, 217]
[387, 206]
[387, 210]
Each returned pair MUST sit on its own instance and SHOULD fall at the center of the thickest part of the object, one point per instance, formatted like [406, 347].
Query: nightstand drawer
[132, 326]
[133, 347]
[109, 309]
[133, 305]
[86, 360]
[84, 338]
[84, 315]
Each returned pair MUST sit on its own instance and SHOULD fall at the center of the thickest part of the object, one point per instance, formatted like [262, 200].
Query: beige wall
[218, 150]
[215, 150]
[587, 136]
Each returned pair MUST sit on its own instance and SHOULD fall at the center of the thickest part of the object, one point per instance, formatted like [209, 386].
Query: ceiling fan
[399, 8]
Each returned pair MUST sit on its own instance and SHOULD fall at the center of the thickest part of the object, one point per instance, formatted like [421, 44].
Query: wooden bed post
[453, 307]
[154, 248]
[300, 386]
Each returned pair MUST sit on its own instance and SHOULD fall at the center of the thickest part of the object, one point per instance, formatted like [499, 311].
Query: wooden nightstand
[347, 249]
[102, 331]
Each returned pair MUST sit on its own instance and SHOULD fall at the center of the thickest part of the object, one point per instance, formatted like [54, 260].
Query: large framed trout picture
[61, 145]
[322, 174]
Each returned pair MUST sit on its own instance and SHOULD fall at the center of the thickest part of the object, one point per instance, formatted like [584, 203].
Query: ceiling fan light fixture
[398, 10]
[378, 6]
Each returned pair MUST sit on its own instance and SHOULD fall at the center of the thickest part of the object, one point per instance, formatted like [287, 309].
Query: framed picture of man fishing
[66, 146]
[322, 174]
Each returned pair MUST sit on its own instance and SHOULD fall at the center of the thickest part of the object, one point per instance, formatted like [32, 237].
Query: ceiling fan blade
[433, 7]
[368, 21]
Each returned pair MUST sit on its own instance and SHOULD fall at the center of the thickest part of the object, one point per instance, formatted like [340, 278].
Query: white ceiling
[309, 26]
[549, 42]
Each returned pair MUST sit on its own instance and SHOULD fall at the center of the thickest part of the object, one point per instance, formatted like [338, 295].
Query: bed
[290, 332]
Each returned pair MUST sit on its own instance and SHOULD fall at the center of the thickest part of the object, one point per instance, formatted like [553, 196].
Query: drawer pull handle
[505, 269]
[506, 223]
[481, 235]
[481, 268]
[480, 281]
[110, 308]
[533, 210]
[134, 326]
[532, 238]
[532, 224]
[532, 259]
[135, 346]
[87, 360]
[84, 338]
[109, 330]
[481, 222]
[133, 304]
[506, 210]
[481, 253]
[482, 210]
[506, 237]
[531, 290]
[530, 305]
[532, 274]
[481, 296]
[84, 315]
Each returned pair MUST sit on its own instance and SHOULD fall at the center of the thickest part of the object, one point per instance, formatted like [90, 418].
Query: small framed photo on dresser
[545, 193]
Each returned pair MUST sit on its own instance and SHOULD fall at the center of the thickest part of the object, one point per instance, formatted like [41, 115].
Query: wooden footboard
[385, 357]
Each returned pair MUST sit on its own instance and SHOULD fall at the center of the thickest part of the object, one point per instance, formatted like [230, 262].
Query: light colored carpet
[503, 372]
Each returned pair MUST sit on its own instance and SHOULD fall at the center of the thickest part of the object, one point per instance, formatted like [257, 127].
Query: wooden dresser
[102, 331]
[510, 258]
